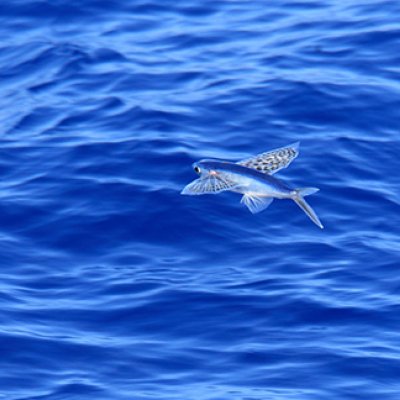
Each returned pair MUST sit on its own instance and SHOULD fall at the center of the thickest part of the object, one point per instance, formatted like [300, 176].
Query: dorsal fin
[272, 161]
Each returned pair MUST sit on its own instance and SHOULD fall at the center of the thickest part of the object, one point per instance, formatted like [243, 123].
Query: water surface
[113, 286]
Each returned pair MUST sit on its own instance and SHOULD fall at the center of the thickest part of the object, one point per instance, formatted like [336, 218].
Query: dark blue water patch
[113, 285]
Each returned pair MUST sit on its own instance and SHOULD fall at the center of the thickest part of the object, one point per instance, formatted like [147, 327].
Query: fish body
[253, 179]
[247, 180]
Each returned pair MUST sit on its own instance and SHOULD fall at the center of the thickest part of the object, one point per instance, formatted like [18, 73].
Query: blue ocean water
[113, 285]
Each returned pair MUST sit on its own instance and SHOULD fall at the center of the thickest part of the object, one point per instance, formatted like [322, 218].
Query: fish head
[212, 179]
[206, 167]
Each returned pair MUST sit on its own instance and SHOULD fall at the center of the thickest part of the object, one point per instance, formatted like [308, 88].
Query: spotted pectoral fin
[256, 204]
[272, 161]
[210, 184]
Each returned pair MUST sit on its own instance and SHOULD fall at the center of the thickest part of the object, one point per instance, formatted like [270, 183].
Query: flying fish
[253, 178]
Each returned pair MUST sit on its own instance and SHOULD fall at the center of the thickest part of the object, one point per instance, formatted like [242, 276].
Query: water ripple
[114, 286]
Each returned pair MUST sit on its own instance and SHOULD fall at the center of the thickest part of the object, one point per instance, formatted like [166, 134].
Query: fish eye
[197, 170]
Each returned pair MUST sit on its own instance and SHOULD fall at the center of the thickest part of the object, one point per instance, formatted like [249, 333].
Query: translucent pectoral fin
[211, 184]
[256, 204]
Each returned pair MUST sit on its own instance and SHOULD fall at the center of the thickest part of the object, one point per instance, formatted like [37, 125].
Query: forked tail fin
[299, 199]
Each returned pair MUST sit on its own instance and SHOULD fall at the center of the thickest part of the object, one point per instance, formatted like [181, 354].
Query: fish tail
[299, 200]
